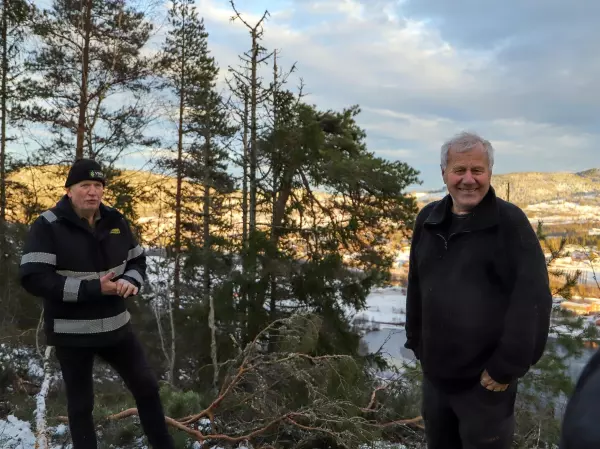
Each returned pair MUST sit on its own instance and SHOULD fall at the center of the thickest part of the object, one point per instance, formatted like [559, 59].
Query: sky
[522, 73]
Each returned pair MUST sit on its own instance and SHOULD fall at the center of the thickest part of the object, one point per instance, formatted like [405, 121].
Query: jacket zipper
[451, 235]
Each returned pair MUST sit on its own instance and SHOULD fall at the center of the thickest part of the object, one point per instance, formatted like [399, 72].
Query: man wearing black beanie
[82, 258]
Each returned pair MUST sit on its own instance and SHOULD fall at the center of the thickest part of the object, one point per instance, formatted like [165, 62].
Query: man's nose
[468, 178]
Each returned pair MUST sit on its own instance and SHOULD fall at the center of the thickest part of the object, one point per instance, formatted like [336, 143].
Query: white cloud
[418, 83]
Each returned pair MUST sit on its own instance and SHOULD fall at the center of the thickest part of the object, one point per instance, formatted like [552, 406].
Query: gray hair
[466, 141]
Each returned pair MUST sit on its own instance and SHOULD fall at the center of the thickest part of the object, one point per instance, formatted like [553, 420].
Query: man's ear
[68, 191]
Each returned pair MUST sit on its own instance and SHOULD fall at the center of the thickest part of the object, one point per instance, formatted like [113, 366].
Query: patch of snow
[402, 256]
[61, 429]
[385, 306]
[34, 369]
[16, 433]
[562, 212]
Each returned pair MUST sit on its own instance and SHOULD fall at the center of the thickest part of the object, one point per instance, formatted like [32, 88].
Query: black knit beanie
[85, 170]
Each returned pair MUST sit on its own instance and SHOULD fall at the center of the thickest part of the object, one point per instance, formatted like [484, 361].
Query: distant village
[586, 260]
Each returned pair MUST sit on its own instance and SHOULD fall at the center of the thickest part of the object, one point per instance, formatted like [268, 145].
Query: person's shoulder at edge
[580, 429]
[511, 214]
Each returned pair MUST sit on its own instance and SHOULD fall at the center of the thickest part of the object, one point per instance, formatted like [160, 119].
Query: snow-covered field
[561, 212]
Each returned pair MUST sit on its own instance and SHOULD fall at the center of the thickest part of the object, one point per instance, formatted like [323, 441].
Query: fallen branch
[256, 400]
[369, 408]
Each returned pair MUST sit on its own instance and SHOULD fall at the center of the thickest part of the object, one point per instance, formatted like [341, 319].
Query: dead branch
[252, 401]
[369, 407]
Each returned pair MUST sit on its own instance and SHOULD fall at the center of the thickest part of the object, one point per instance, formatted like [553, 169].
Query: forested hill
[153, 190]
[528, 188]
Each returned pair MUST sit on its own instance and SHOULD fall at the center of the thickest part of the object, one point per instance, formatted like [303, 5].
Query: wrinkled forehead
[86, 183]
[476, 157]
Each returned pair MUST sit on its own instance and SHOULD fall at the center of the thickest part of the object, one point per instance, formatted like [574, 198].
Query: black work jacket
[62, 262]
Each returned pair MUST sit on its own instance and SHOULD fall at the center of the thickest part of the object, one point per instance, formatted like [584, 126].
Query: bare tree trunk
[177, 272]
[251, 83]
[171, 373]
[275, 174]
[253, 309]
[40, 409]
[253, 131]
[245, 171]
[244, 299]
[162, 293]
[4, 88]
[161, 334]
[83, 95]
[206, 242]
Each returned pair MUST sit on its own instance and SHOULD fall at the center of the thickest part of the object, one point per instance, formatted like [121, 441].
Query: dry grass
[585, 291]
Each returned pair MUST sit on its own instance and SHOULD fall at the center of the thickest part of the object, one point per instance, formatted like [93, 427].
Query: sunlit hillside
[552, 197]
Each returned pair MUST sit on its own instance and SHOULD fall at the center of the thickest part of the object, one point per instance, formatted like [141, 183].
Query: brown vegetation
[261, 388]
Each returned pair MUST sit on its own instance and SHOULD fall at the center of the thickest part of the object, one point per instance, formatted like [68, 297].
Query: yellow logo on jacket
[115, 231]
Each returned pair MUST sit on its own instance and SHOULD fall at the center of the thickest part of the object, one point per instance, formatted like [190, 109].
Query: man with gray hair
[478, 303]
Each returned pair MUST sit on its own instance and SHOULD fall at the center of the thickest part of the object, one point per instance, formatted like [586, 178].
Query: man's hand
[126, 288]
[490, 384]
[107, 286]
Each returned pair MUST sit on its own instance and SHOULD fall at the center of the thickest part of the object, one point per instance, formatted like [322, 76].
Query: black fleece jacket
[62, 263]
[479, 299]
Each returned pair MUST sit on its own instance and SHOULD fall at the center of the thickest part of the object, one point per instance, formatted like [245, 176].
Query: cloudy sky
[523, 73]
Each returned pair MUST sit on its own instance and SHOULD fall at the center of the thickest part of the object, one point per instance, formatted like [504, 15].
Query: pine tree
[90, 81]
[14, 27]
[247, 84]
[335, 207]
[203, 130]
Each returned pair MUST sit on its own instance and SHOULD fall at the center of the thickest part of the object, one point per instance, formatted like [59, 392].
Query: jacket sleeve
[135, 270]
[527, 321]
[580, 428]
[37, 271]
[413, 294]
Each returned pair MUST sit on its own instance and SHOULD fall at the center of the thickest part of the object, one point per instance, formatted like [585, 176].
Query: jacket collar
[64, 209]
[484, 215]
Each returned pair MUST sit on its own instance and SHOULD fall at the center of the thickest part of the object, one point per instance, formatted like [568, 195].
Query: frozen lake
[388, 306]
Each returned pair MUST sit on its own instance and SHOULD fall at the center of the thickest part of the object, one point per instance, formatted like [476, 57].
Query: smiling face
[467, 176]
[86, 196]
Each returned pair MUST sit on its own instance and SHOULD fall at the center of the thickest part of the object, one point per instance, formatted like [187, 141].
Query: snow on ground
[385, 306]
[560, 211]
[17, 434]
[403, 256]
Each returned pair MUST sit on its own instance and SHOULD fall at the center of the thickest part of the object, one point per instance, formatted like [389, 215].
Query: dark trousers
[473, 419]
[128, 359]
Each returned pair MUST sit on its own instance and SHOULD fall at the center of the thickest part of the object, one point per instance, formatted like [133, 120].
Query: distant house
[594, 303]
[594, 231]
